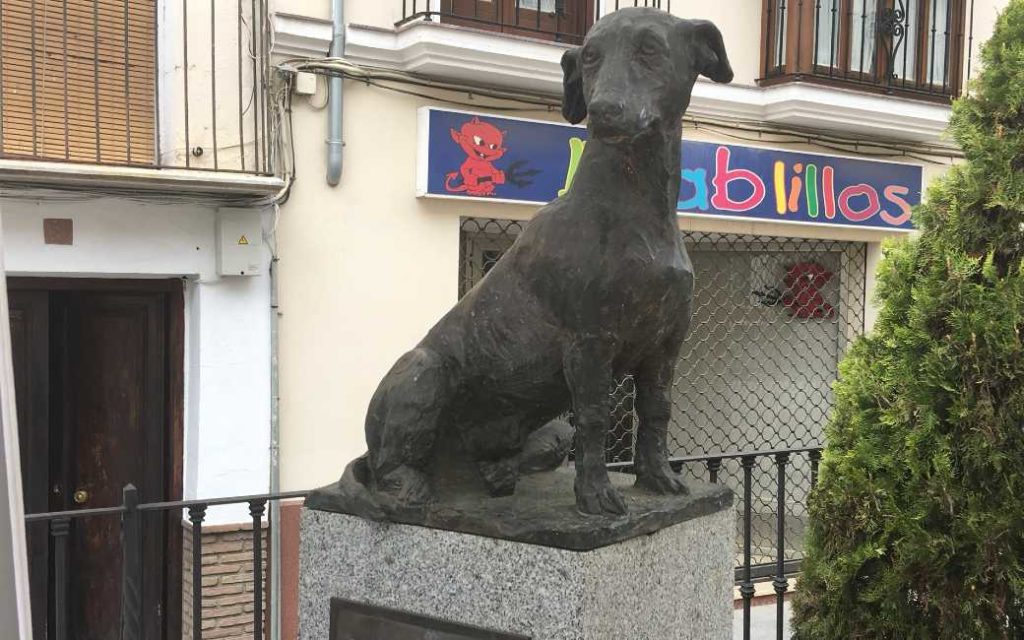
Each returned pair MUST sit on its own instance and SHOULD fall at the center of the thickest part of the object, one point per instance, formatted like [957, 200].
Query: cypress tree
[917, 523]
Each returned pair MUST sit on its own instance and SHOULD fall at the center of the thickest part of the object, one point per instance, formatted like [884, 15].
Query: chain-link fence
[772, 317]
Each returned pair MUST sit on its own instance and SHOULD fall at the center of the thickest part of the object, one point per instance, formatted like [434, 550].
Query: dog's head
[635, 70]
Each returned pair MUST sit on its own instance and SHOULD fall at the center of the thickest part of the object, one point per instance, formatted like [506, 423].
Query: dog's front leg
[588, 372]
[654, 408]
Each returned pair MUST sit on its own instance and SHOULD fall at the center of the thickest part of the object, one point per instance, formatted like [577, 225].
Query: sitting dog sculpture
[598, 285]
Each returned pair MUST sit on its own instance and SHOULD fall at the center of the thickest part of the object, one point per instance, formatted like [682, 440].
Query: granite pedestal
[669, 578]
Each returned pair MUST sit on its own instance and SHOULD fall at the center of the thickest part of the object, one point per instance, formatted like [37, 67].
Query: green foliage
[917, 524]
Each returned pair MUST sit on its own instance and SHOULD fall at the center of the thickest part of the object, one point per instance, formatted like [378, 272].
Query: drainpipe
[335, 144]
[275, 464]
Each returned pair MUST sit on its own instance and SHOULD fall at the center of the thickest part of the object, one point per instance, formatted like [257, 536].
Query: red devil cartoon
[803, 298]
[483, 144]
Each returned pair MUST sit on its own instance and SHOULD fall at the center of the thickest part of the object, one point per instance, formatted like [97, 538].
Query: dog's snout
[615, 121]
[606, 110]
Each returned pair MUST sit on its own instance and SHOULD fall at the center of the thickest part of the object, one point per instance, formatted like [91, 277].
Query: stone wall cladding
[227, 581]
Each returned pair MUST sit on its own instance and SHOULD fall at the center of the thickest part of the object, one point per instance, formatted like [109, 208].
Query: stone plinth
[673, 583]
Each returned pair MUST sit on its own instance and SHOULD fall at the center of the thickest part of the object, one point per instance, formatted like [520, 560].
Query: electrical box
[305, 83]
[239, 242]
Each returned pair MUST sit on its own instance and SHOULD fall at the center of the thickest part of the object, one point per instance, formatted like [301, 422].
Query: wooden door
[114, 354]
[108, 358]
[30, 345]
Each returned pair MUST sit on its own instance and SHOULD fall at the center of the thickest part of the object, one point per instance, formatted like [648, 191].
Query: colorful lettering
[894, 193]
[724, 176]
[829, 191]
[576, 146]
[794, 189]
[699, 200]
[538, 162]
[780, 188]
[854, 191]
[811, 182]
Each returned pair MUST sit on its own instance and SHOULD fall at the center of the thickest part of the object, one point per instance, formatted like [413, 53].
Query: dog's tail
[352, 493]
[355, 493]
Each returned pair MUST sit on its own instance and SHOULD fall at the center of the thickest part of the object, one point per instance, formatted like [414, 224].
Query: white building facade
[137, 174]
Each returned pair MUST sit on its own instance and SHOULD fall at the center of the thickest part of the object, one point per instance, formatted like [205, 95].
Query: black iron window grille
[558, 20]
[914, 47]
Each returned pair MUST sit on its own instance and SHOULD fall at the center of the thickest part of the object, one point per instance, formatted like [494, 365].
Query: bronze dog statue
[599, 285]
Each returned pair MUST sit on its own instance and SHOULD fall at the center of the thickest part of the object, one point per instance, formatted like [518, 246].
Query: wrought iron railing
[132, 541]
[918, 48]
[558, 20]
[141, 83]
[754, 563]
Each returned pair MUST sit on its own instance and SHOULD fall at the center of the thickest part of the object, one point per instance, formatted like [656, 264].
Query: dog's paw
[500, 477]
[664, 481]
[599, 498]
[407, 486]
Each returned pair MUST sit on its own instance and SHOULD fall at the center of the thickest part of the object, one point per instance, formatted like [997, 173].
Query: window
[899, 46]
[77, 80]
[560, 20]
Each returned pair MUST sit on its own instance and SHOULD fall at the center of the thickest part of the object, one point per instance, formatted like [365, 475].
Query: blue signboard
[485, 157]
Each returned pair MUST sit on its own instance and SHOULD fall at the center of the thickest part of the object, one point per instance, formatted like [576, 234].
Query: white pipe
[335, 144]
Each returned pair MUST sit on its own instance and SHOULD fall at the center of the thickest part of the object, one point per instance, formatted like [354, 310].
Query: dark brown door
[108, 424]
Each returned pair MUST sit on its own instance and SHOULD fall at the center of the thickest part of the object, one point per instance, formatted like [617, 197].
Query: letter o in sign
[853, 191]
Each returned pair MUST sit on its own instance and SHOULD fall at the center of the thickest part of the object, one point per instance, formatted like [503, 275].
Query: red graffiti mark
[803, 298]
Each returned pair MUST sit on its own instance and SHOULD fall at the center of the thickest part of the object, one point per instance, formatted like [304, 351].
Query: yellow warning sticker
[243, 240]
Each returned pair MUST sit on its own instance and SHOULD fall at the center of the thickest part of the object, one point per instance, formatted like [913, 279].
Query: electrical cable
[386, 79]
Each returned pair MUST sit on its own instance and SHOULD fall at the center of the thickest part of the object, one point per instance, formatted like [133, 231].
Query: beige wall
[367, 268]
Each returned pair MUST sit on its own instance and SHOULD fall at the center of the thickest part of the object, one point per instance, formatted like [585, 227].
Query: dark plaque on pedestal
[358, 621]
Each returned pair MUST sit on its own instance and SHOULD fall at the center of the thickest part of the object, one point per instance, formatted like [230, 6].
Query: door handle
[81, 496]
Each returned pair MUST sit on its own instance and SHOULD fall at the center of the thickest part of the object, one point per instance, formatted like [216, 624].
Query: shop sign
[484, 157]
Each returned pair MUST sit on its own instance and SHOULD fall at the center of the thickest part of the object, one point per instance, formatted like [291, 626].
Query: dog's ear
[709, 50]
[574, 107]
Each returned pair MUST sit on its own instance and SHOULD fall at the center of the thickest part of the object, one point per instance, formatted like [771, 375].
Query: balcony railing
[140, 83]
[918, 48]
[559, 20]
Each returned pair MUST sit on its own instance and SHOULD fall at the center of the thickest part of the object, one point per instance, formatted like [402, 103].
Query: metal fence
[917, 47]
[146, 83]
[131, 617]
[777, 564]
[559, 20]
[763, 467]
[753, 375]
